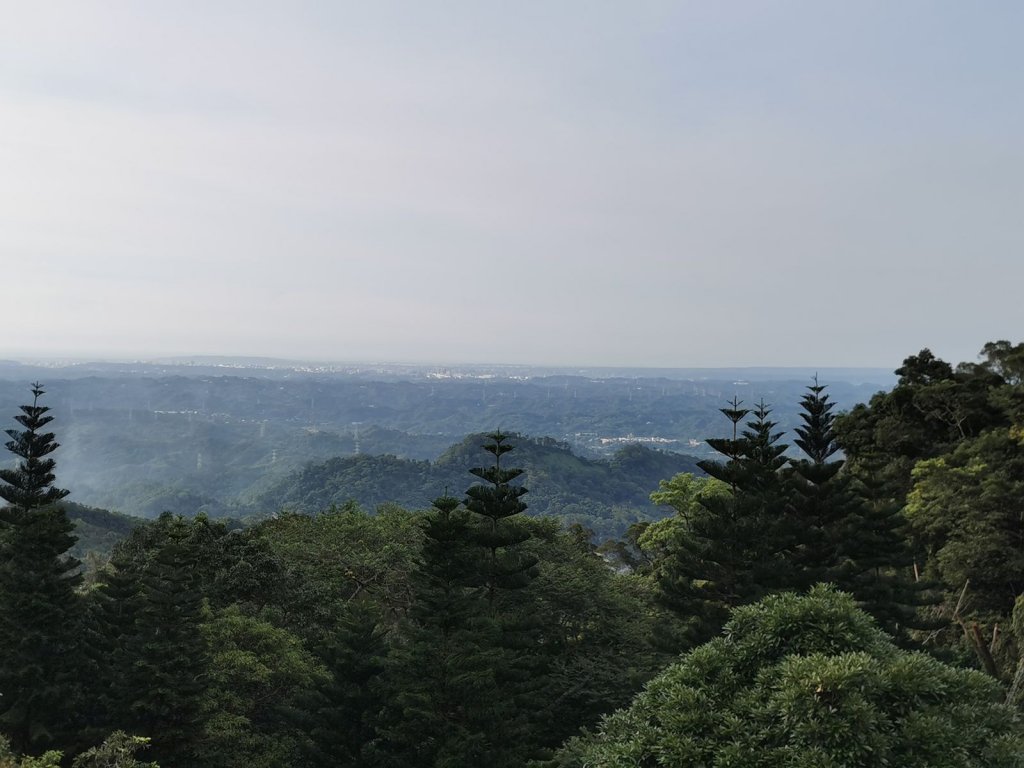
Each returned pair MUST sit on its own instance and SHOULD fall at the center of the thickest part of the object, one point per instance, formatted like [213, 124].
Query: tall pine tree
[39, 609]
[504, 570]
[505, 565]
[845, 532]
[731, 552]
[822, 510]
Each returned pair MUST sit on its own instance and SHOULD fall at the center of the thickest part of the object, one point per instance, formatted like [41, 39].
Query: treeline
[463, 634]
[471, 633]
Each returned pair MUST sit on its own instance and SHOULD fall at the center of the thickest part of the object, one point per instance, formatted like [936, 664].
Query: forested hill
[97, 530]
[143, 439]
[604, 495]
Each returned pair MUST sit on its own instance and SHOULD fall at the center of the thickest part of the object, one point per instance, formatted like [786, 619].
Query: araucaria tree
[839, 535]
[498, 502]
[29, 486]
[443, 675]
[505, 569]
[821, 505]
[732, 549]
[38, 604]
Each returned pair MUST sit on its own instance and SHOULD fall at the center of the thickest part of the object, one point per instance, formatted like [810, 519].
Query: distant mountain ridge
[273, 367]
[604, 495]
[141, 441]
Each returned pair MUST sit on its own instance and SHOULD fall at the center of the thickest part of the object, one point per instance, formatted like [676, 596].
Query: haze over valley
[523, 385]
[235, 438]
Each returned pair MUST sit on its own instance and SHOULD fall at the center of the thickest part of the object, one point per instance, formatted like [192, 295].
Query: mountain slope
[603, 495]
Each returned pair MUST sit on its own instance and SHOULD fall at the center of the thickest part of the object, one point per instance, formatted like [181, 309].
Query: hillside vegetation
[848, 593]
[605, 496]
[144, 439]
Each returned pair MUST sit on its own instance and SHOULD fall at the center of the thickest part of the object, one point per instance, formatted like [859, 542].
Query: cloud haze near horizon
[663, 184]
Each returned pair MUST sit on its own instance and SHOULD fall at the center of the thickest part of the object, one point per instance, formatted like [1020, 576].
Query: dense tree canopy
[943, 448]
[802, 682]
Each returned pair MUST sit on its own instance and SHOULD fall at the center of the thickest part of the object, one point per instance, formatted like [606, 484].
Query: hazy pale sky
[606, 183]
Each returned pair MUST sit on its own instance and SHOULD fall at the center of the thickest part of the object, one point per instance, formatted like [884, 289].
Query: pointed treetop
[816, 437]
[763, 444]
[734, 413]
[30, 485]
[446, 504]
[497, 445]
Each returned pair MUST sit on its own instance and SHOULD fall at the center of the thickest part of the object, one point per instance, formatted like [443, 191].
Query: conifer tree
[821, 507]
[39, 609]
[347, 707]
[847, 532]
[732, 550]
[167, 653]
[29, 486]
[443, 675]
[505, 569]
[733, 448]
[504, 566]
[109, 630]
[881, 572]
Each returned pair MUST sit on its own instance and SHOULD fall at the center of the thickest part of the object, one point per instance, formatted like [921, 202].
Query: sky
[665, 184]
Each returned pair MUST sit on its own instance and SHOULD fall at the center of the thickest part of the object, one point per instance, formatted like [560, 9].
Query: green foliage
[117, 751]
[944, 444]
[1015, 694]
[39, 610]
[796, 682]
[585, 617]
[257, 677]
[841, 533]
[474, 634]
[968, 509]
[645, 558]
[161, 572]
[166, 653]
[1006, 360]
[504, 569]
[29, 486]
[820, 504]
[687, 494]
[474, 685]
[342, 580]
[605, 496]
[499, 530]
[731, 550]
[442, 675]
[10, 759]
[349, 704]
[97, 531]
[932, 409]
[341, 555]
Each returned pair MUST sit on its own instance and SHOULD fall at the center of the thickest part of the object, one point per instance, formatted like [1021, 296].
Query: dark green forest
[836, 588]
